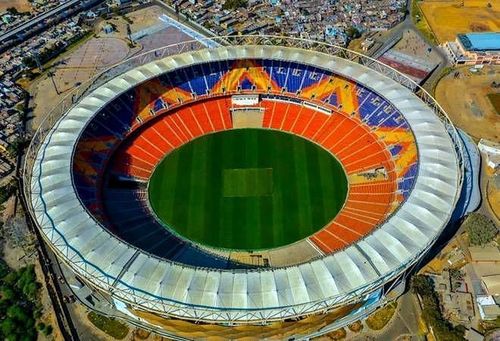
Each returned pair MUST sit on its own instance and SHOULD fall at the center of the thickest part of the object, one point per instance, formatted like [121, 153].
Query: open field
[466, 101]
[95, 54]
[447, 18]
[493, 193]
[73, 68]
[20, 5]
[248, 189]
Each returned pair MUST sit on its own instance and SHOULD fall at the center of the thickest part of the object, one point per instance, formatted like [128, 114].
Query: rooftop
[484, 254]
[486, 41]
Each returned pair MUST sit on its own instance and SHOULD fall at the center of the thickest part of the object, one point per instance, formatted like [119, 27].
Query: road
[405, 321]
[395, 35]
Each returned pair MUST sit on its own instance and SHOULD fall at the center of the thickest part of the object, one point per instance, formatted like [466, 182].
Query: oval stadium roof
[244, 295]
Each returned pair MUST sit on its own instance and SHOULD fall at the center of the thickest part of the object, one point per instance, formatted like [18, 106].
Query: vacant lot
[465, 99]
[74, 68]
[20, 5]
[447, 18]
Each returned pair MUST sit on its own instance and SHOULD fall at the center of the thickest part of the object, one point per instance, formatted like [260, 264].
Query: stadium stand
[360, 128]
[128, 207]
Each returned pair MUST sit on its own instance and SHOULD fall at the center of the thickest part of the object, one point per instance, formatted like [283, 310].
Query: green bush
[18, 303]
[110, 326]
[481, 229]
[431, 312]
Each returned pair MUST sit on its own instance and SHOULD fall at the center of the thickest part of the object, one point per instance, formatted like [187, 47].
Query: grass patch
[110, 326]
[421, 23]
[381, 317]
[444, 72]
[356, 326]
[251, 182]
[495, 101]
[247, 189]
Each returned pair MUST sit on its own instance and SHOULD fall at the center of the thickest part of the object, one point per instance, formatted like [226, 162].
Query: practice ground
[466, 101]
[248, 189]
[447, 18]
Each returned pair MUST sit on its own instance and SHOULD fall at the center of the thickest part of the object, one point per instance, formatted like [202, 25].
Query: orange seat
[290, 117]
[356, 225]
[214, 113]
[327, 242]
[313, 126]
[301, 122]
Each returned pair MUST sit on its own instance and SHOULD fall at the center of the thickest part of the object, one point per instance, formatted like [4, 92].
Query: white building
[474, 48]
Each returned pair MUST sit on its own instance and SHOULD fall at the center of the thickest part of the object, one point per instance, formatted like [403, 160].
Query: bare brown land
[20, 5]
[74, 68]
[95, 55]
[493, 192]
[465, 99]
[495, 101]
[449, 17]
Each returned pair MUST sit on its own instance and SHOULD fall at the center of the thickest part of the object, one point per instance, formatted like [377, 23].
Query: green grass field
[247, 189]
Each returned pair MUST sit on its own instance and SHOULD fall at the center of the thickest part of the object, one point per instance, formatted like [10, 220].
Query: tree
[7, 190]
[422, 285]
[481, 229]
[234, 4]
[353, 33]
[12, 11]
[15, 147]
[18, 305]
[456, 274]
[48, 330]
[431, 312]
[29, 62]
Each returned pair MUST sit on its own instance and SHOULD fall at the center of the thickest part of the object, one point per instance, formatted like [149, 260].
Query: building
[474, 49]
[492, 151]
[484, 264]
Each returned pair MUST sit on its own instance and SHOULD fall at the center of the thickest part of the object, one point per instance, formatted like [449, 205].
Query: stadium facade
[89, 160]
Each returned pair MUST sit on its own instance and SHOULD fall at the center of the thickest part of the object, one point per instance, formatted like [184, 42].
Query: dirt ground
[138, 20]
[465, 100]
[93, 56]
[20, 5]
[447, 18]
[72, 69]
